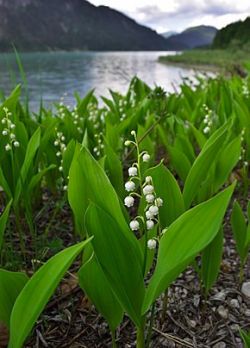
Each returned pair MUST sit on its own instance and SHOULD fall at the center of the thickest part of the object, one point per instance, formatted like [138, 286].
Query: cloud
[164, 15]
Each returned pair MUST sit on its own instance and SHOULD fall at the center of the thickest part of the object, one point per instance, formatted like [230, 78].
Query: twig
[174, 338]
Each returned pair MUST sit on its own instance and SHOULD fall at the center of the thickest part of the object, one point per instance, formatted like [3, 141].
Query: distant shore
[223, 61]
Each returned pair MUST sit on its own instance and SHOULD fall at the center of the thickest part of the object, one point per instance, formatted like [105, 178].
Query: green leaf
[239, 228]
[185, 238]
[168, 189]
[32, 147]
[11, 284]
[180, 162]
[37, 292]
[226, 162]
[201, 166]
[246, 338]
[3, 221]
[211, 261]
[89, 183]
[95, 284]
[119, 260]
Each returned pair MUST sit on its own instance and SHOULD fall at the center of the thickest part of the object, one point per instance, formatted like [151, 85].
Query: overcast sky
[165, 15]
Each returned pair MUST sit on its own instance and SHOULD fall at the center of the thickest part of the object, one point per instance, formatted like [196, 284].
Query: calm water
[51, 75]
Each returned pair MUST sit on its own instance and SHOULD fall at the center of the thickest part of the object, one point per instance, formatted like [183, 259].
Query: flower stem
[113, 335]
[150, 329]
[140, 339]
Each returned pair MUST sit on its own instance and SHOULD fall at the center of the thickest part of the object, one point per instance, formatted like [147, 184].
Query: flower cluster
[153, 203]
[9, 130]
[208, 119]
[77, 120]
[98, 149]
[61, 147]
[243, 150]
[122, 108]
[245, 90]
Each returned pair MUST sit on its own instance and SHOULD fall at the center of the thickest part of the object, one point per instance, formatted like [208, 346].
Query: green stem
[140, 339]
[113, 335]
[241, 273]
[150, 329]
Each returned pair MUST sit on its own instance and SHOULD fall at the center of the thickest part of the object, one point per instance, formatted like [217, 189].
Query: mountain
[234, 34]
[192, 37]
[33, 25]
[167, 34]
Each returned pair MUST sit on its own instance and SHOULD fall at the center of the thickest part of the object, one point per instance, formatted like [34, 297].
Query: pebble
[235, 327]
[234, 303]
[223, 312]
[245, 289]
[220, 345]
[220, 296]
[247, 312]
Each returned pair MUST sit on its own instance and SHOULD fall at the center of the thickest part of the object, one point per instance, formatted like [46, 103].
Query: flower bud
[150, 224]
[132, 171]
[151, 244]
[130, 186]
[16, 143]
[159, 202]
[146, 157]
[129, 201]
[153, 209]
[150, 198]
[134, 225]
[148, 189]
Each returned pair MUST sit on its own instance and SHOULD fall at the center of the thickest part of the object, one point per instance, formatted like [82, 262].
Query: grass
[216, 59]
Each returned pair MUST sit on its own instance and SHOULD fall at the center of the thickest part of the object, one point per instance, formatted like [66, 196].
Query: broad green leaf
[89, 183]
[180, 162]
[11, 284]
[3, 221]
[211, 261]
[4, 184]
[95, 284]
[200, 168]
[114, 169]
[239, 228]
[29, 156]
[37, 292]
[168, 189]
[185, 238]
[227, 160]
[37, 178]
[119, 260]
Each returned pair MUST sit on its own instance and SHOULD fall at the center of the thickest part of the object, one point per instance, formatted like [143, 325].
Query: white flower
[148, 179]
[151, 244]
[129, 201]
[58, 154]
[132, 171]
[150, 198]
[133, 133]
[56, 143]
[148, 189]
[60, 168]
[12, 126]
[153, 209]
[134, 225]
[63, 138]
[16, 143]
[206, 130]
[130, 186]
[4, 132]
[164, 230]
[149, 215]
[65, 187]
[8, 147]
[12, 136]
[127, 143]
[146, 157]
[150, 224]
[159, 202]
[4, 121]
[245, 163]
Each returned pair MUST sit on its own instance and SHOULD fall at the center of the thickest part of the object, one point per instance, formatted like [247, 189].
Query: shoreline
[198, 67]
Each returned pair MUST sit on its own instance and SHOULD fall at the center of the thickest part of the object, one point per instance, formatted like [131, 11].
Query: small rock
[220, 345]
[196, 300]
[220, 296]
[235, 327]
[234, 303]
[245, 289]
[247, 312]
[223, 312]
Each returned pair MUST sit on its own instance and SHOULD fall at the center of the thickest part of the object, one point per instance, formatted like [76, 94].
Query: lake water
[51, 75]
